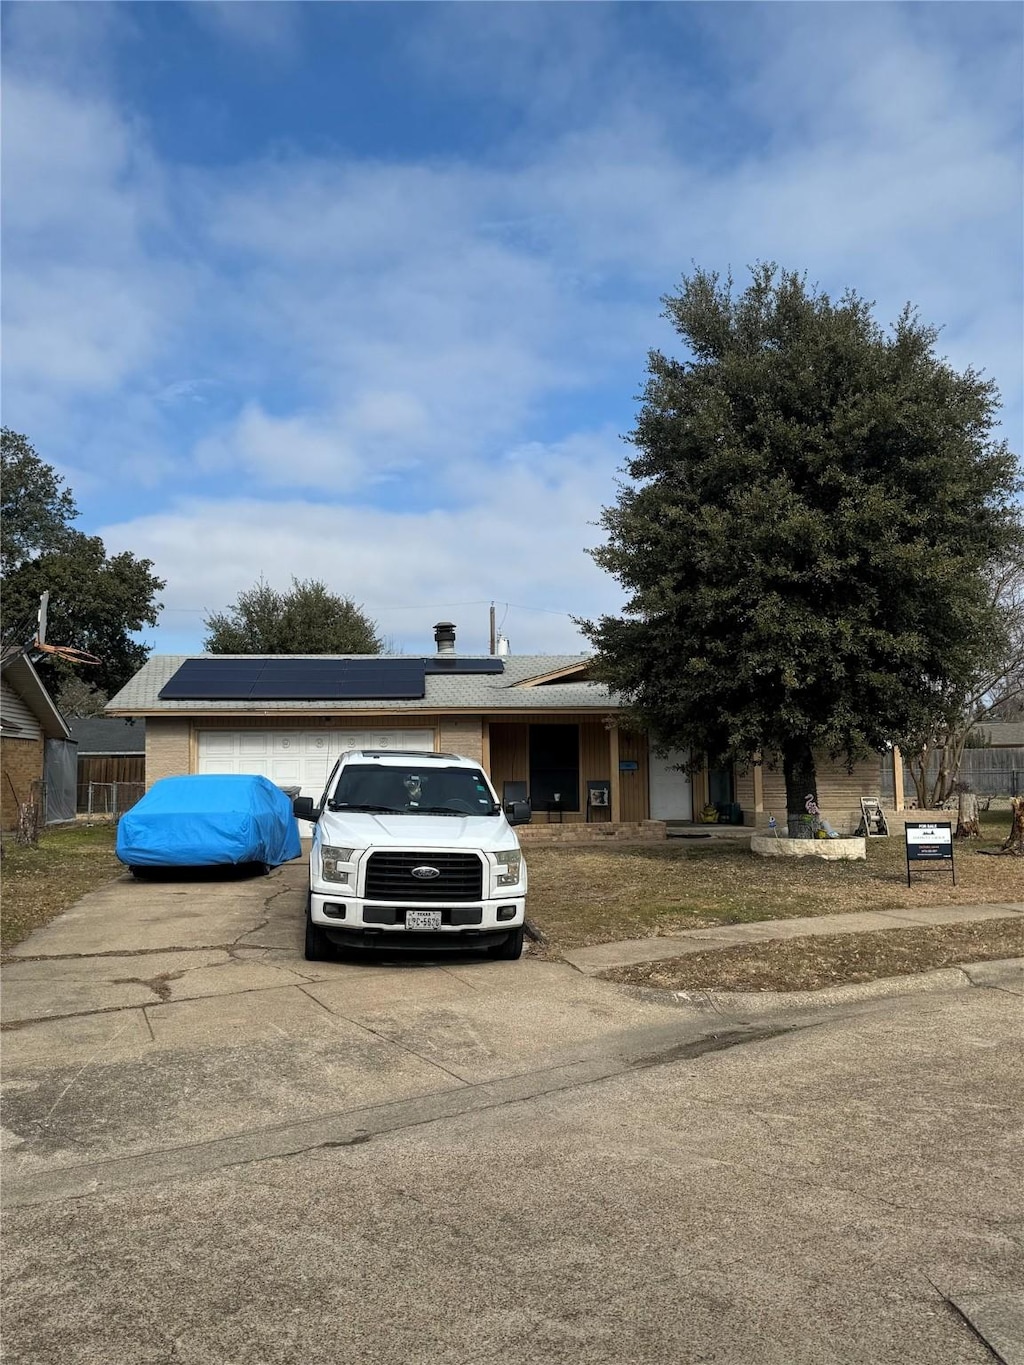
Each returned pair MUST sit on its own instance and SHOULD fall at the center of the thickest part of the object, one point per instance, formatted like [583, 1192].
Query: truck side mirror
[303, 809]
[519, 813]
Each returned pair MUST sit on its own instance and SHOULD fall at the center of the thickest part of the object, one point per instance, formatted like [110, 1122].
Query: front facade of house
[535, 723]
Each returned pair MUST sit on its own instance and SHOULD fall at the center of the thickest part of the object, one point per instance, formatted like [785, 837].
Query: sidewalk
[602, 956]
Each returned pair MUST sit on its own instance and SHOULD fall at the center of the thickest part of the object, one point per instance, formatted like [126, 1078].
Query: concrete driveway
[218, 1152]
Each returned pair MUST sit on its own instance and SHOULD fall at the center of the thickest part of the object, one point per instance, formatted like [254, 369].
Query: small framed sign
[930, 844]
[628, 765]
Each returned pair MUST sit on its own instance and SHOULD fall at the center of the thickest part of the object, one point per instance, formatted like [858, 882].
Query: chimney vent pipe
[444, 637]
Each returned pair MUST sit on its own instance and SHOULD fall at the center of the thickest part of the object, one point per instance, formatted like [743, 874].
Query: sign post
[930, 844]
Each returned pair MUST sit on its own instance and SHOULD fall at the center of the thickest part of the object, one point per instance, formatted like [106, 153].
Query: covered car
[209, 821]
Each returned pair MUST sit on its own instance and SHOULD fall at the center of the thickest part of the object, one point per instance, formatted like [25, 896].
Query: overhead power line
[412, 606]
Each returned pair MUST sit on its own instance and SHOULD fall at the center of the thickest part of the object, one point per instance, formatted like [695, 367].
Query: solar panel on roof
[284, 679]
[213, 679]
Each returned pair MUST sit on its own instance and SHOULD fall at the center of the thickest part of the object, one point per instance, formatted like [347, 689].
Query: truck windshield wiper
[447, 810]
[359, 806]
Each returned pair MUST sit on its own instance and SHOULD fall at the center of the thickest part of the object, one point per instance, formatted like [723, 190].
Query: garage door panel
[314, 773]
[220, 767]
[257, 742]
[219, 742]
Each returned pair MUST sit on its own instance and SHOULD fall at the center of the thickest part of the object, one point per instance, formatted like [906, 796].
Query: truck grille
[389, 877]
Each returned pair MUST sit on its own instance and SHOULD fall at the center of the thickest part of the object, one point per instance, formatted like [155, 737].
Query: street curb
[747, 1003]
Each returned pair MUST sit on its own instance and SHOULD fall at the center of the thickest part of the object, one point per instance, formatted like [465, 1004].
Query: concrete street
[215, 1151]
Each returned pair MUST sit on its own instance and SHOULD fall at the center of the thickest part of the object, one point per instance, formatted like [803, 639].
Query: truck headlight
[509, 867]
[330, 857]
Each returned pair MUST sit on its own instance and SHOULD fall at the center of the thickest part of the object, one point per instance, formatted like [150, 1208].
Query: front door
[671, 794]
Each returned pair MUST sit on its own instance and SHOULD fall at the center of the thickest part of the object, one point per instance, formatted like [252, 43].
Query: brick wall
[623, 832]
[168, 748]
[22, 763]
[465, 737]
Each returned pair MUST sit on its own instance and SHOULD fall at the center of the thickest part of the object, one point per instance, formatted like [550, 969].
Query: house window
[555, 766]
[720, 786]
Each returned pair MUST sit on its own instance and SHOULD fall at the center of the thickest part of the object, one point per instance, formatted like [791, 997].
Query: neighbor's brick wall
[21, 761]
[464, 737]
[168, 749]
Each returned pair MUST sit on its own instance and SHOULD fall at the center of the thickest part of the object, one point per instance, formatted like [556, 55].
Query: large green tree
[97, 601]
[307, 619]
[814, 510]
[36, 510]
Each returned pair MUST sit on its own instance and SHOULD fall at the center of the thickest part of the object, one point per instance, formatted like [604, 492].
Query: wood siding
[635, 787]
[743, 786]
[14, 711]
[839, 791]
[361, 720]
[510, 762]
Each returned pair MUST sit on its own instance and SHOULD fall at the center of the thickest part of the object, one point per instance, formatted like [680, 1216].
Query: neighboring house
[1001, 734]
[536, 723]
[110, 750]
[28, 719]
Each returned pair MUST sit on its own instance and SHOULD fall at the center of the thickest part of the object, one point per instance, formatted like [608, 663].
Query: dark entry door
[555, 766]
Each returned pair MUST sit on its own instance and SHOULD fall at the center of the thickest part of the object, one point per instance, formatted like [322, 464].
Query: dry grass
[809, 964]
[38, 883]
[581, 896]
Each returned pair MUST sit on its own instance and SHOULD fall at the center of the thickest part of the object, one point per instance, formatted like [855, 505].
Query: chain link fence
[109, 799]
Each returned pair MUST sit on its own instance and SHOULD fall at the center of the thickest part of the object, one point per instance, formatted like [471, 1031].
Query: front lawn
[809, 964]
[585, 895]
[39, 883]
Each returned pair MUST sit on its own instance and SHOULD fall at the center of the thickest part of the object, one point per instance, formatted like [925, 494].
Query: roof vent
[444, 637]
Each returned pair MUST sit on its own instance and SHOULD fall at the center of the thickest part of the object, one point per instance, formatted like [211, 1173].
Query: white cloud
[518, 535]
[271, 28]
[90, 307]
[290, 451]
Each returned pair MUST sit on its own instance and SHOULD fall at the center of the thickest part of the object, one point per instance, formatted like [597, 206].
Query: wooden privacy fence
[106, 769]
[990, 772]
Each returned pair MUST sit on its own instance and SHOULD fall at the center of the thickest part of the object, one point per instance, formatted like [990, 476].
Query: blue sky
[364, 292]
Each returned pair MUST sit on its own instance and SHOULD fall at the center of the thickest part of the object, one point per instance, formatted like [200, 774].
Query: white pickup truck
[413, 850]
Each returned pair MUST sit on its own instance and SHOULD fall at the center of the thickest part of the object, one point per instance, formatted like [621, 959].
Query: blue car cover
[208, 820]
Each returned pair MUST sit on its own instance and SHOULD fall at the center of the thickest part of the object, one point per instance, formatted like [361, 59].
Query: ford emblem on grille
[426, 874]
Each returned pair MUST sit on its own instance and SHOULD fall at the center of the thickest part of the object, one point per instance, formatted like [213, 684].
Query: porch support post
[758, 772]
[485, 746]
[613, 756]
[897, 779]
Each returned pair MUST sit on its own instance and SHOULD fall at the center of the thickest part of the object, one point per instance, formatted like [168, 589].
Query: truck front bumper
[357, 922]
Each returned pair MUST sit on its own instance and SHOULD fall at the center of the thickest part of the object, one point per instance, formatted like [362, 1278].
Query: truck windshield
[413, 790]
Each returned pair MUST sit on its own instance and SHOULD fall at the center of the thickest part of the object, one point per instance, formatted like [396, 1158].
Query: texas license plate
[423, 919]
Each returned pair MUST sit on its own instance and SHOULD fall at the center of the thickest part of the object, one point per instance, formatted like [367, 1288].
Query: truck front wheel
[318, 946]
[511, 949]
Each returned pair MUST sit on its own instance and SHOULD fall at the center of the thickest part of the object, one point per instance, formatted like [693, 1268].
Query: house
[536, 723]
[110, 750]
[29, 722]
[1001, 734]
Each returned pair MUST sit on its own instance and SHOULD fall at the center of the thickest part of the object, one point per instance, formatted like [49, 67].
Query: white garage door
[296, 758]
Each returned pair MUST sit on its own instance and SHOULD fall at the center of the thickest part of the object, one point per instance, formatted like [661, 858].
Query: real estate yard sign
[930, 844]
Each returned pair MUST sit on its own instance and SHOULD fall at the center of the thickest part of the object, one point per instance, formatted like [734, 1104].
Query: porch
[584, 769]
